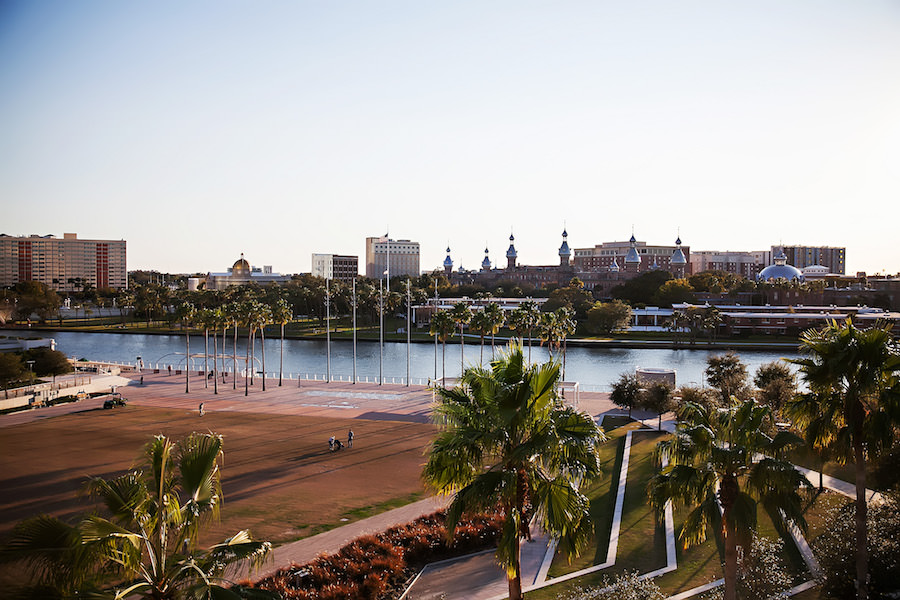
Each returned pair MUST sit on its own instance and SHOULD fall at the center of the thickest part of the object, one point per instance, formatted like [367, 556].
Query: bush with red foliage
[375, 567]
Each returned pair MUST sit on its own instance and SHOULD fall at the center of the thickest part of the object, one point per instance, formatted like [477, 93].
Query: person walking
[350, 439]
[201, 409]
[331, 443]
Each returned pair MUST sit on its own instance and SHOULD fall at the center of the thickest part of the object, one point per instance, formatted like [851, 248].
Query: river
[592, 368]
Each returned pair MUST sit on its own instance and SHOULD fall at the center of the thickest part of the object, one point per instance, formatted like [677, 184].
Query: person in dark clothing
[350, 438]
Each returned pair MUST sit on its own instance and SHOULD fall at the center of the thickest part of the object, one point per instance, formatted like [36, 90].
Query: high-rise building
[402, 256]
[335, 266]
[66, 265]
[828, 256]
[748, 264]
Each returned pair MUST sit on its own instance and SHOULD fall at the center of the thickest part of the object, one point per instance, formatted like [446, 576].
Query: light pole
[327, 332]
[408, 323]
[380, 331]
[434, 312]
[354, 330]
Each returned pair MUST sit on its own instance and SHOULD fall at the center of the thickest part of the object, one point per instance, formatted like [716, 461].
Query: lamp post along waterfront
[408, 323]
[354, 329]
[327, 331]
[380, 331]
[434, 312]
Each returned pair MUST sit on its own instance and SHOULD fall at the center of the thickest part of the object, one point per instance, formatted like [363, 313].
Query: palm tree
[249, 309]
[263, 317]
[722, 459]
[442, 326]
[507, 444]
[282, 314]
[853, 407]
[481, 324]
[497, 319]
[150, 541]
[233, 315]
[217, 320]
[205, 317]
[461, 314]
[525, 318]
[567, 326]
[185, 314]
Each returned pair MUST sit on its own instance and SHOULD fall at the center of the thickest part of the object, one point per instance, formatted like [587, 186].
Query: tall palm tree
[148, 547]
[567, 326]
[206, 319]
[508, 445]
[249, 310]
[234, 315]
[185, 314]
[723, 458]
[263, 317]
[498, 318]
[462, 315]
[525, 318]
[217, 320]
[853, 407]
[548, 331]
[481, 324]
[282, 314]
[442, 326]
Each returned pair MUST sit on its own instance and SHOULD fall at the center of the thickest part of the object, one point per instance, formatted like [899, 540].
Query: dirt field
[279, 478]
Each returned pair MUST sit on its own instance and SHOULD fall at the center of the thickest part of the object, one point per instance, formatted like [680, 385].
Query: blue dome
[632, 257]
[511, 252]
[788, 272]
[780, 270]
[564, 249]
[678, 257]
[614, 267]
[486, 263]
[448, 262]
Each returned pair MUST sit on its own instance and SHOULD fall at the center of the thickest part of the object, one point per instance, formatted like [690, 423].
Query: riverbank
[624, 341]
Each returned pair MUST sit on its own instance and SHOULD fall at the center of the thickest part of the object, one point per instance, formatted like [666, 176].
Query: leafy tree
[836, 550]
[573, 296]
[605, 317]
[723, 458]
[853, 406]
[776, 385]
[716, 281]
[699, 395]
[48, 362]
[626, 392]
[658, 397]
[642, 289]
[145, 543]
[507, 445]
[11, 369]
[34, 297]
[674, 291]
[727, 374]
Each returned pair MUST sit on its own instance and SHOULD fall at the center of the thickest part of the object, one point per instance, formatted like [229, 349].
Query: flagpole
[354, 329]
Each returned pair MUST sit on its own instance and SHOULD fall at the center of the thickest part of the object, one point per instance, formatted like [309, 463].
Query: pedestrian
[331, 443]
[350, 439]
[170, 369]
[142, 380]
[201, 409]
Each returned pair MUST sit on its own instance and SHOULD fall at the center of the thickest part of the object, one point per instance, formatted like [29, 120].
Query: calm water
[593, 368]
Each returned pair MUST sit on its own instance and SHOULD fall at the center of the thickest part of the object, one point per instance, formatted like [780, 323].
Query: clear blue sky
[200, 130]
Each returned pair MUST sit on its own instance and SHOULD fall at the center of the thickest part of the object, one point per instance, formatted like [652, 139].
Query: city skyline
[198, 131]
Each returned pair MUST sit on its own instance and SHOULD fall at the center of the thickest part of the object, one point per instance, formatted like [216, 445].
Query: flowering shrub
[374, 567]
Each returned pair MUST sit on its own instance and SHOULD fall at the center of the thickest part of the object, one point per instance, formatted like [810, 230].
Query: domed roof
[511, 251]
[241, 264]
[614, 267]
[780, 270]
[678, 257]
[632, 257]
[486, 263]
[564, 251]
[448, 262]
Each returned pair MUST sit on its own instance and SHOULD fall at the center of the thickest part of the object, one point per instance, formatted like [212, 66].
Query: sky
[198, 131]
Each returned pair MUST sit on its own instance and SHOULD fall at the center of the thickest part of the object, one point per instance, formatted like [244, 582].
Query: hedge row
[375, 567]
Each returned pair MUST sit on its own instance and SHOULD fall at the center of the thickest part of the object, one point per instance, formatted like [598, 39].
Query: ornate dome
[632, 257]
[678, 256]
[511, 252]
[241, 265]
[448, 262]
[780, 270]
[564, 251]
[486, 263]
[614, 267]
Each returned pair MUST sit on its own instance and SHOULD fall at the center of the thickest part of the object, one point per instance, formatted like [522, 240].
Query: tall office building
[403, 256]
[335, 266]
[827, 256]
[65, 265]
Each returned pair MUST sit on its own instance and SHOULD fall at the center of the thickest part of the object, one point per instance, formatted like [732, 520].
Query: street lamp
[354, 329]
[381, 330]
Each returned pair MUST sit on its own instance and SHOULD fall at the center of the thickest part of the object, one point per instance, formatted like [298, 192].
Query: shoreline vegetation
[315, 331]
